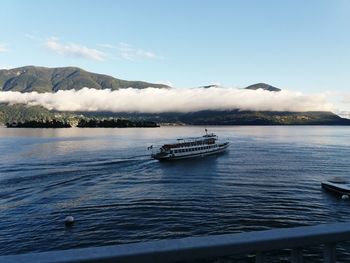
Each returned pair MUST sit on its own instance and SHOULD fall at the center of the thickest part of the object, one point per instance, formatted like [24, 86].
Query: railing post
[296, 255]
[329, 253]
[259, 258]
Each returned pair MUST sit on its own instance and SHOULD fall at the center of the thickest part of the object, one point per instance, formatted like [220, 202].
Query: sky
[293, 44]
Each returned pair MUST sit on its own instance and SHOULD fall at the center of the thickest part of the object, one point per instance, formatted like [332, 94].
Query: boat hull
[219, 150]
[336, 188]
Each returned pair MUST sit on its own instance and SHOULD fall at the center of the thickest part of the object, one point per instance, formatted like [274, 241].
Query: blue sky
[296, 45]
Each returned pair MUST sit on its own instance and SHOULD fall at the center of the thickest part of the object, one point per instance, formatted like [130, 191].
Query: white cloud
[33, 37]
[2, 66]
[344, 114]
[3, 48]
[107, 46]
[75, 50]
[128, 52]
[345, 97]
[165, 82]
[154, 100]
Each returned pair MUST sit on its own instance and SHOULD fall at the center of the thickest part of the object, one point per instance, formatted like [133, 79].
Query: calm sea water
[269, 178]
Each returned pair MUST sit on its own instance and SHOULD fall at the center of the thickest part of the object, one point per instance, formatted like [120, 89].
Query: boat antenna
[206, 131]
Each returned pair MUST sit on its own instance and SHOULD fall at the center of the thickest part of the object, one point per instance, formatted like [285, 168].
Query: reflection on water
[270, 177]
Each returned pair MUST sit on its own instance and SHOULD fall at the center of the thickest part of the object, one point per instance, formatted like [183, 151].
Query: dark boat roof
[207, 136]
[344, 186]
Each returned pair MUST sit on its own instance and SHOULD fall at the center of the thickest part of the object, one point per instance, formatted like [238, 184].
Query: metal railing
[193, 248]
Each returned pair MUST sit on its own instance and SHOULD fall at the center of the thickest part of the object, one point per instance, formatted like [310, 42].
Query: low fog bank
[152, 100]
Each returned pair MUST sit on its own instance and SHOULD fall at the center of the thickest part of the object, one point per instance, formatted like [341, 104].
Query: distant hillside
[263, 86]
[23, 116]
[233, 117]
[27, 79]
[41, 79]
[22, 113]
[236, 117]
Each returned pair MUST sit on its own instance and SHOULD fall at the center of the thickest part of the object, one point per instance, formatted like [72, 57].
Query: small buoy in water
[69, 220]
[345, 197]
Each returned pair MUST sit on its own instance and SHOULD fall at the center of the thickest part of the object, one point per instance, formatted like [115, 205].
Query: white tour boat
[190, 147]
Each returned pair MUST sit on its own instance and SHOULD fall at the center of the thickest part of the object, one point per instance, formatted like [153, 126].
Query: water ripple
[269, 178]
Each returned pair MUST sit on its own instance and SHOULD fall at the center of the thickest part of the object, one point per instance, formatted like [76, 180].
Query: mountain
[231, 117]
[210, 86]
[41, 79]
[256, 86]
[263, 86]
[21, 113]
[236, 117]
[23, 116]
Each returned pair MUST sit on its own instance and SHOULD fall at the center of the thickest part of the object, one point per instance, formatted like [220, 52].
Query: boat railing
[194, 143]
[217, 247]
